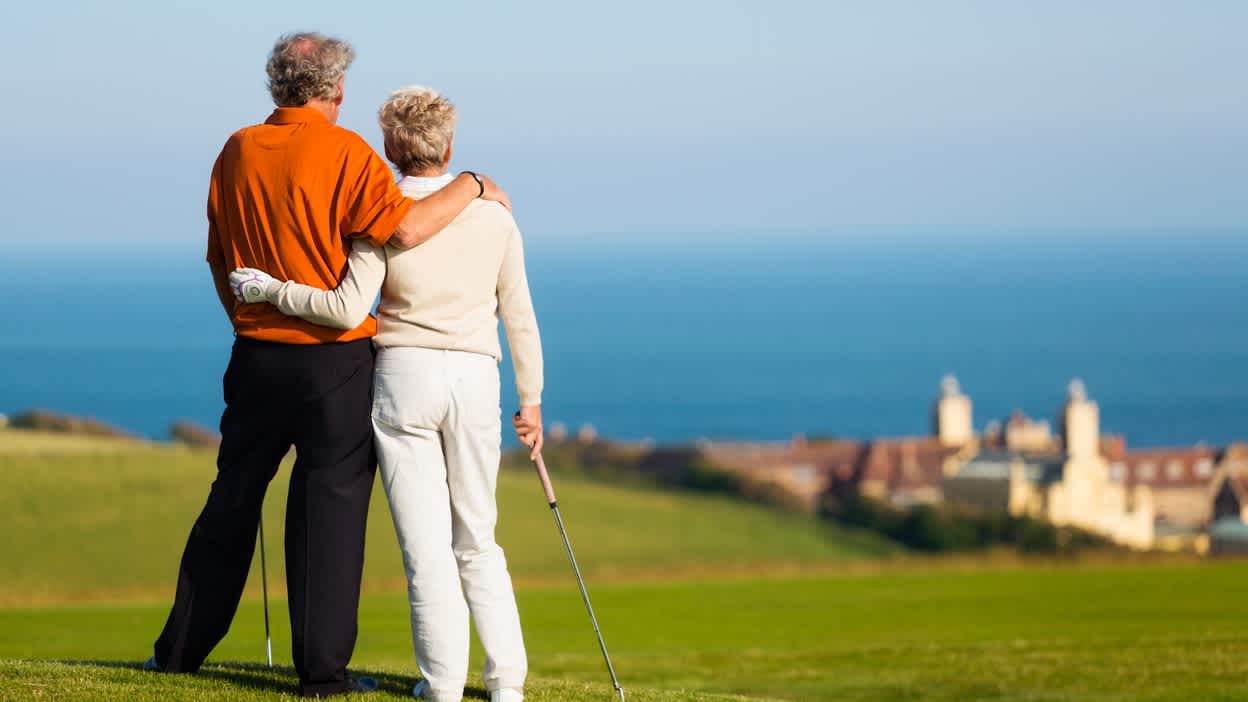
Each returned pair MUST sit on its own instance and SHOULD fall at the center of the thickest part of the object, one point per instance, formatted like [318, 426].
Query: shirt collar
[295, 115]
[419, 186]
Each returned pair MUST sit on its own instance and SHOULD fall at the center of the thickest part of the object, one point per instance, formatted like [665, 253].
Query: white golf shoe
[507, 694]
[422, 692]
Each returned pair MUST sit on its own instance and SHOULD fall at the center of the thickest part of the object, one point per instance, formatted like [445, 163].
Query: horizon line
[750, 235]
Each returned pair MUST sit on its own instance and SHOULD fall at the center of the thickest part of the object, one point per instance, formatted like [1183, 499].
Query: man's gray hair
[307, 66]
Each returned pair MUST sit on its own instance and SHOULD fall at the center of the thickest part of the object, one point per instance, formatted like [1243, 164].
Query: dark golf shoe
[362, 684]
[355, 686]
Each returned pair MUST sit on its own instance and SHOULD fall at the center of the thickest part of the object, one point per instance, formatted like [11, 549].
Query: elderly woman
[436, 413]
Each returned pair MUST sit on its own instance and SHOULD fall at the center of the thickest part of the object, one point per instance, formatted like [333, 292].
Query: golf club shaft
[264, 588]
[549, 489]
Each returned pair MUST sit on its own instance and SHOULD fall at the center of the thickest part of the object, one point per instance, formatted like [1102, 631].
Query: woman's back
[449, 292]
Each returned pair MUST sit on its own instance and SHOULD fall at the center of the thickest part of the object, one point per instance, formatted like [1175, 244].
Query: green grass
[699, 599]
[1142, 632]
[107, 681]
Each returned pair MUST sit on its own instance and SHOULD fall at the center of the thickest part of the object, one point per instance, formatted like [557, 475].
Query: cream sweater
[448, 293]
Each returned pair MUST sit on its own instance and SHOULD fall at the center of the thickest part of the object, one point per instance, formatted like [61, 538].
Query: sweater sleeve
[515, 307]
[346, 306]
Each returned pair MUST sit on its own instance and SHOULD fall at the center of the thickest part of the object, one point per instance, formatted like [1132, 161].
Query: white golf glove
[251, 285]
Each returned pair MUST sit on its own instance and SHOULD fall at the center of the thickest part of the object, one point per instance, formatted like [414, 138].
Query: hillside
[88, 519]
[700, 599]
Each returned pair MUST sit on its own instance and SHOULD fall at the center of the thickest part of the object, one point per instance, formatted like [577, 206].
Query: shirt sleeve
[216, 254]
[376, 204]
[344, 307]
[515, 307]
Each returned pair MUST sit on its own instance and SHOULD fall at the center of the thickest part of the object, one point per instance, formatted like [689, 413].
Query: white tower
[1081, 422]
[953, 414]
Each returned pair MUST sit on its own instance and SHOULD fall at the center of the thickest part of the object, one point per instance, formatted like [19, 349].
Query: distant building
[1071, 486]
[803, 469]
[587, 434]
[1005, 481]
[1023, 433]
[1228, 537]
[1150, 498]
[901, 472]
[1228, 532]
[558, 432]
[1181, 482]
[1230, 486]
[908, 471]
[951, 415]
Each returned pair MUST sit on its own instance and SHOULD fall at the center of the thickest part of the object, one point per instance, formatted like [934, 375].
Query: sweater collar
[419, 186]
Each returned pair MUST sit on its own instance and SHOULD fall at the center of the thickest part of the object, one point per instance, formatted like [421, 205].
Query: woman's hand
[528, 424]
[251, 285]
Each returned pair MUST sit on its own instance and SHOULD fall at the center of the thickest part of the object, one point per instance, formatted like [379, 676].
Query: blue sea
[679, 337]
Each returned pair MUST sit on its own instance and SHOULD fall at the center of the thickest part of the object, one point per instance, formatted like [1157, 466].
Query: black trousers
[317, 399]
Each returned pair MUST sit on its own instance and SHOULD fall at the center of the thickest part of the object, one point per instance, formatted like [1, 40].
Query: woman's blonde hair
[418, 125]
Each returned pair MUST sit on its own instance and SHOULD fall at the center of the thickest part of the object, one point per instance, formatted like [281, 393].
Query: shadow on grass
[278, 679]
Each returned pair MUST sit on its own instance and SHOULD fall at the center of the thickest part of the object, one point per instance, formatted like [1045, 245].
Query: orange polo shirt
[287, 197]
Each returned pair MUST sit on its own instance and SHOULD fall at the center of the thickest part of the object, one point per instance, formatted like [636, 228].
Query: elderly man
[289, 196]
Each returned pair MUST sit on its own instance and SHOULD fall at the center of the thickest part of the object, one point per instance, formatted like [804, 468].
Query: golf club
[264, 588]
[554, 507]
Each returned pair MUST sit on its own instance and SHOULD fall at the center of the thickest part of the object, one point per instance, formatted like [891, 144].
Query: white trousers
[437, 423]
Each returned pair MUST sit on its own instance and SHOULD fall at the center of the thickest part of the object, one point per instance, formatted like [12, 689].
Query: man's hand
[495, 193]
[528, 424]
[251, 285]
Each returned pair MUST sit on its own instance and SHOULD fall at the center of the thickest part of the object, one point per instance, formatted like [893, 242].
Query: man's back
[286, 196]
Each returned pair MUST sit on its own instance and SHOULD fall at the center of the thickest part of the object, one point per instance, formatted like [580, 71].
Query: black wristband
[480, 183]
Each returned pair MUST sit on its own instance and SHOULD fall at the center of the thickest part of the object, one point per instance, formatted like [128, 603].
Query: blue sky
[697, 119]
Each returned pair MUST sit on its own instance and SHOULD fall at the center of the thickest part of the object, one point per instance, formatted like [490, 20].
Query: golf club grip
[545, 478]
